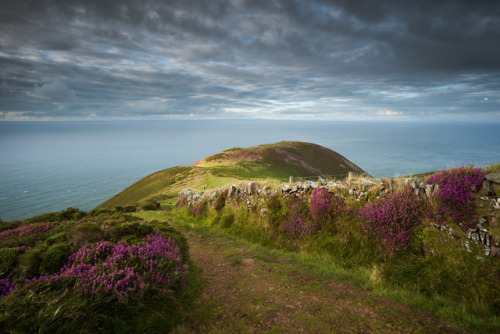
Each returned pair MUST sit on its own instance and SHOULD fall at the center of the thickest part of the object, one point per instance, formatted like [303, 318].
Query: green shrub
[129, 208]
[29, 263]
[100, 212]
[86, 232]
[55, 257]
[130, 228]
[220, 201]
[227, 219]
[8, 258]
[56, 238]
[151, 205]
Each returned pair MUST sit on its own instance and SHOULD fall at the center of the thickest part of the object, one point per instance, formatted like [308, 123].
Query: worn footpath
[247, 292]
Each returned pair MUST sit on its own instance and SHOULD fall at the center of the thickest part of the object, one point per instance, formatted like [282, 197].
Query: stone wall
[365, 188]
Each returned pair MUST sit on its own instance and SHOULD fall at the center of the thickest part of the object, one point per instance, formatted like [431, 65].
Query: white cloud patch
[390, 113]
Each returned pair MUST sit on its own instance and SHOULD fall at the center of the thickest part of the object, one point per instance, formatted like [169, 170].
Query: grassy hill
[271, 163]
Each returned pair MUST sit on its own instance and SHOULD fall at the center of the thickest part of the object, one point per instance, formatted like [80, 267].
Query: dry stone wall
[365, 188]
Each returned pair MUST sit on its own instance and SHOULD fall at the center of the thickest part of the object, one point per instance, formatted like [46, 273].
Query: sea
[50, 166]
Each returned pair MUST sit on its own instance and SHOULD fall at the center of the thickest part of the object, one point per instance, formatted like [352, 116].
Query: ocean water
[49, 166]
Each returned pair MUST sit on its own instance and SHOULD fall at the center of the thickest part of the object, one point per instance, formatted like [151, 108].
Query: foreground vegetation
[101, 271]
[393, 245]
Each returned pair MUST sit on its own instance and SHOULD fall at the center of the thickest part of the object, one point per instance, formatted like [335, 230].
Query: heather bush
[326, 207]
[6, 286]
[26, 235]
[392, 221]
[452, 202]
[199, 209]
[180, 203]
[153, 267]
[299, 222]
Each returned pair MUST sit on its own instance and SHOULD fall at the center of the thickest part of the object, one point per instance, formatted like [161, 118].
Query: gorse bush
[326, 207]
[391, 221]
[452, 202]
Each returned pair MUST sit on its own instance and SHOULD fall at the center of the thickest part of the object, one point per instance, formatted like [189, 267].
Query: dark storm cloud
[255, 58]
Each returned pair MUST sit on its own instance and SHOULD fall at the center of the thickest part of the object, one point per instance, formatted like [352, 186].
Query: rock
[286, 188]
[467, 247]
[495, 251]
[486, 250]
[351, 192]
[232, 191]
[266, 191]
[487, 188]
[493, 177]
[493, 222]
[428, 190]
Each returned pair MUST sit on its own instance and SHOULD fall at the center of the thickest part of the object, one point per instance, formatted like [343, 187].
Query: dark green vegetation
[266, 163]
[101, 271]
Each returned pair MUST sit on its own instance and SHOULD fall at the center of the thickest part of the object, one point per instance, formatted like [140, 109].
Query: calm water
[49, 166]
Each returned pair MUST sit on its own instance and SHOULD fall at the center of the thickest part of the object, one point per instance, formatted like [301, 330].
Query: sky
[263, 59]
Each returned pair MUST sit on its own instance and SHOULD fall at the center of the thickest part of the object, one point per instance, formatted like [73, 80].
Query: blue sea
[49, 166]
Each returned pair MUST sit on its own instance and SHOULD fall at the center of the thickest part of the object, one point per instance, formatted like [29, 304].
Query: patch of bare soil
[247, 292]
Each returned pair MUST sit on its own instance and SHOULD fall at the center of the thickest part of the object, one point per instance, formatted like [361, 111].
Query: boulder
[493, 177]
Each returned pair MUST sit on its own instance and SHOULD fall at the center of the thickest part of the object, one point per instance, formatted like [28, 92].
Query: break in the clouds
[121, 59]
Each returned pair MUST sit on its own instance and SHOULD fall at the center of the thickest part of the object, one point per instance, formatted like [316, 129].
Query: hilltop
[272, 163]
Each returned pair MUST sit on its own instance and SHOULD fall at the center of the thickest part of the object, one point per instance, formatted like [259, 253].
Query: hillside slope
[269, 163]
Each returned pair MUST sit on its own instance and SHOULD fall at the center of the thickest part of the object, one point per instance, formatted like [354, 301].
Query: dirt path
[246, 292]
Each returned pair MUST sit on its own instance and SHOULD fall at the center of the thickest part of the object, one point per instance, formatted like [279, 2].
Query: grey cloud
[131, 58]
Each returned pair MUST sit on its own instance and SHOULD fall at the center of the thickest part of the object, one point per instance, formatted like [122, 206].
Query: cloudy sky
[277, 59]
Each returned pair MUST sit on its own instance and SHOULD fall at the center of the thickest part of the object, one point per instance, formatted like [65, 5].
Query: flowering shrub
[391, 221]
[26, 230]
[26, 235]
[153, 266]
[325, 207]
[199, 209]
[296, 227]
[180, 203]
[298, 223]
[6, 286]
[452, 200]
